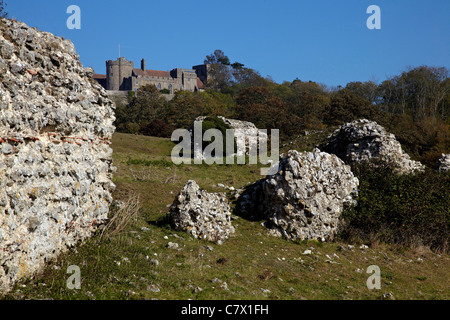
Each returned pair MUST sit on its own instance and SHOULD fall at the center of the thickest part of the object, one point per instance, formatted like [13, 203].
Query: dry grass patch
[122, 214]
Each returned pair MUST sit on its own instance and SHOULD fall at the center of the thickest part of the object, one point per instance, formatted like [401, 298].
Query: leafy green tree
[187, 106]
[367, 90]
[306, 100]
[246, 77]
[439, 88]
[219, 71]
[215, 123]
[3, 13]
[267, 111]
[311, 109]
[237, 65]
[184, 108]
[143, 108]
[157, 128]
[421, 92]
[346, 106]
[218, 104]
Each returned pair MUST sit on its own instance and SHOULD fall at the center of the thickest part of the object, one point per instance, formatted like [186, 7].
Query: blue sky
[326, 41]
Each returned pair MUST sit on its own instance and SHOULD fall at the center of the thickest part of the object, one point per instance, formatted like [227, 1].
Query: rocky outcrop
[305, 199]
[55, 159]
[363, 140]
[204, 215]
[443, 164]
[244, 133]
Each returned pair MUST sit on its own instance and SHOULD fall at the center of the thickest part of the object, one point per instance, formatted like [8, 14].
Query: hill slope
[136, 264]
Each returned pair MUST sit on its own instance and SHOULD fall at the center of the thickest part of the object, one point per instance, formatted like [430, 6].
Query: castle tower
[143, 64]
[118, 74]
[202, 72]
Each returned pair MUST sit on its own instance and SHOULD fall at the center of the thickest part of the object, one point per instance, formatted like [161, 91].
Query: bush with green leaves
[410, 210]
[158, 128]
[143, 108]
[215, 123]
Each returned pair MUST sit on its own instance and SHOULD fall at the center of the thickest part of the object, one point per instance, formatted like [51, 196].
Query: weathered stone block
[363, 140]
[55, 158]
[204, 215]
[305, 199]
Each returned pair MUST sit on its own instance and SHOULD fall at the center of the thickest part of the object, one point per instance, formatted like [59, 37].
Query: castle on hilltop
[122, 76]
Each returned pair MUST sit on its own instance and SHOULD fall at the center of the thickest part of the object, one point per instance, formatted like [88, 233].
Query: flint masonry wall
[55, 159]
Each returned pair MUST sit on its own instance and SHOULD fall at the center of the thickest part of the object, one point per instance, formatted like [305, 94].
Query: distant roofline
[152, 73]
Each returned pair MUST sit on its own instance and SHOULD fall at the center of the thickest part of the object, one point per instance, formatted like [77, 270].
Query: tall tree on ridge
[219, 71]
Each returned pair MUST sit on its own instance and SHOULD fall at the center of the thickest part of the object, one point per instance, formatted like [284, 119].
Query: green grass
[120, 267]
[148, 163]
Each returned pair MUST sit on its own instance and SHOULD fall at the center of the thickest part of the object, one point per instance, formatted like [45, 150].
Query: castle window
[170, 88]
[159, 86]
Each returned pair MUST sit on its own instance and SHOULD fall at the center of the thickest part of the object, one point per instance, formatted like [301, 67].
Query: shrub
[128, 127]
[158, 128]
[215, 123]
[144, 106]
[411, 210]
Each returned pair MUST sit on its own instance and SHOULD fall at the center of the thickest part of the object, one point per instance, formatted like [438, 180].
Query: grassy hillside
[134, 263]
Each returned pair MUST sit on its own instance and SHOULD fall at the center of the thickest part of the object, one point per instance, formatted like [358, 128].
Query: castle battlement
[120, 61]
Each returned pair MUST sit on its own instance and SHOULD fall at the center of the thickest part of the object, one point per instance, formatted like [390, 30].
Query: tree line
[3, 13]
[414, 105]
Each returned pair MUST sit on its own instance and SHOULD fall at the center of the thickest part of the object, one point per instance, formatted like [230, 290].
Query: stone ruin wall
[56, 168]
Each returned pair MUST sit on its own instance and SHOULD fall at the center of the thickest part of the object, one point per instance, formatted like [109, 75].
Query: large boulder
[305, 199]
[363, 140]
[245, 132]
[55, 159]
[204, 215]
[443, 164]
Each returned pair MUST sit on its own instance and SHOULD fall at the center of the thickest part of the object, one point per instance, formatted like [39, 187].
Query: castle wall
[56, 124]
[189, 80]
[121, 76]
[202, 72]
[161, 83]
